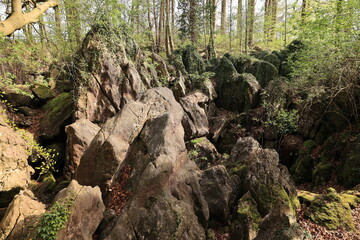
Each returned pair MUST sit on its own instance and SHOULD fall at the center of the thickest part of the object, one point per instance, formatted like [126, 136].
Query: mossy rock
[267, 194]
[352, 198]
[301, 169]
[239, 93]
[230, 57]
[224, 72]
[349, 172]
[248, 219]
[242, 63]
[263, 71]
[322, 172]
[306, 197]
[273, 59]
[57, 112]
[42, 92]
[331, 211]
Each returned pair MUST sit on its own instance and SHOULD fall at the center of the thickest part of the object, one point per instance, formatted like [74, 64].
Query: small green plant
[54, 220]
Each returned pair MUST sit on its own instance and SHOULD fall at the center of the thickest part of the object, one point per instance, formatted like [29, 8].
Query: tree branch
[18, 19]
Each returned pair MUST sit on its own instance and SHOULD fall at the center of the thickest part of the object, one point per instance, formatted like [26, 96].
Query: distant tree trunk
[250, 17]
[285, 23]
[150, 25]
[168, 39]
[223, 16]
[135, 15]
[303, 11]
[193, 23]
[230, 26]
[28, 28]
[212, 12]
[156, 27]
[240, 23]
[270, 19]
[161, 23]
[58, 23]
[73, 24]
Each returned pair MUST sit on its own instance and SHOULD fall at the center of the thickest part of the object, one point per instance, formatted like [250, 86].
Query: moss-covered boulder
[223, 73]
[306, 197]
[42, 92]
[273, 59]
[17, 95]
[301, 169]
[263, 71]
[247, 220]
[349, 172]
[58, 113]
[242, 63]
[262, 175]
[331, 211]
[188, 59]
[239, 93]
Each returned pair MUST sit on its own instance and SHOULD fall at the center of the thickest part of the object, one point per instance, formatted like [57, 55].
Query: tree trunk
[18, 19]
[73, 20]
[270, 19]
[193, 23]
[303, 11]
[250, 23]
[223, 16]
[212, 11]
[240, 23]
[161, 23]
[168, 39]
[58, 24]
[156, 27]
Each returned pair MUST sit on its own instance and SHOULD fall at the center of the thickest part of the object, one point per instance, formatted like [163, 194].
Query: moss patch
[306, 197]
[247, 211]
[331, 211]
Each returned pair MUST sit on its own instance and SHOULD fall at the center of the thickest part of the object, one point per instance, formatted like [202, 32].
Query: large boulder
[85, 211]
[261, 174]
[110, 72]
[14, 169]
[202, 152]
[42, 92]
[17, 95]
[263, 71]
[195, 121]
[79, 136]
[239, 93]
[21, 216]
[58, 113]
[165, 199]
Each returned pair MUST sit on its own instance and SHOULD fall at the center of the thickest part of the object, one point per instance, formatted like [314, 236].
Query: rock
[160, 66]
[242, 63]
[310, 119]
[14, 169]
[247, 221]
[280, 223]
[196, 117]
[179, 88]
[349, 172]
[189, 59]
[26, 111]
[278, 92]
[261, 174]
[224, 72]
[289, 149]
[164, 198]
[111, 71]
[215, 186]
[306, 197]
[60, 75]
[331, 211]
[58, 113]
[18, 95]
[21, 217]
[79, 136]
[273, 59]
[263, 71]
[86, 210]
[42, 92]
[239, 93]
[202, 152]
[300, 170]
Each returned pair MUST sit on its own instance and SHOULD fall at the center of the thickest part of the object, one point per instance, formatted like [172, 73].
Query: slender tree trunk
[156, 27]
[303, 11]
[240, 23]
[193, 21]
[230, 26]
[28, 28]
[161, 24]
[212, 12]
[168, 38]
[223, 16]
[250, 23]
[58, 23]
[270, 20]
[73, 24]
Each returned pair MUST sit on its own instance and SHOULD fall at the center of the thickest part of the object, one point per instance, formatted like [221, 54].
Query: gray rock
[79, 136]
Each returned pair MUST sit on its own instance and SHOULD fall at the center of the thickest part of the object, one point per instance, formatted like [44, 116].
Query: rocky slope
[184, 158]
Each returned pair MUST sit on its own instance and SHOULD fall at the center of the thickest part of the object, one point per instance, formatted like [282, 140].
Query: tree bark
[212, 11]
[73, 24]
[193, 21]
[240, 23]
[223, 16]
[18, 19]
[250, 23]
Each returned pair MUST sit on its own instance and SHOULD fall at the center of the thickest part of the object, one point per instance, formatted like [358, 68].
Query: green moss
[304, 163]
[307, 197]
[331, 211]
[197, 140]
[49, 182]
[42, 92]
[263, 71]
[247, 211]
[267, 194]
[351, 199]
[322, 172]
[349, 173]
[239, 170]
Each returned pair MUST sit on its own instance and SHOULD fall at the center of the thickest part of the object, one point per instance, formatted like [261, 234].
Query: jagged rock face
[262, 175]
[19, 95]
[195, 121]
[85, 212]
[165, 198]
[202, 152]
[58, 113]
[14, 169]
[21, 216]
[79, 136]
[111, 72]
